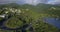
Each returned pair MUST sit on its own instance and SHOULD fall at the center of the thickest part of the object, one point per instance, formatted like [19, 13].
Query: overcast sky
[30, 1]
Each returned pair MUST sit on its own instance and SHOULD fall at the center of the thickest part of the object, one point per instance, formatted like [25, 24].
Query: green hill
[20, 15]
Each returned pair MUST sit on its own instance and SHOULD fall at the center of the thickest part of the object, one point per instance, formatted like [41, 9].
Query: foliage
[13, 23]
[33, 16]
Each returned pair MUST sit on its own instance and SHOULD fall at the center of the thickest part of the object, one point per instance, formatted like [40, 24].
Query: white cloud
[34, 2]
[31, 1]
[54, 2]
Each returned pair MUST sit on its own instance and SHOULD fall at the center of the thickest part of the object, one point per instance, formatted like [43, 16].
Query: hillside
[27, 18]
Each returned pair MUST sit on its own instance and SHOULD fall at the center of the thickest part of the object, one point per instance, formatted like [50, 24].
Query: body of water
[53, 21]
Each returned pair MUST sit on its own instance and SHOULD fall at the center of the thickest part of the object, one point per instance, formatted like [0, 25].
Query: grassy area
[31, 15]
[13, 23]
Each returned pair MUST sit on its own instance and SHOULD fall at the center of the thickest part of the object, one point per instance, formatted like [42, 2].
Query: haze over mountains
[34, 2]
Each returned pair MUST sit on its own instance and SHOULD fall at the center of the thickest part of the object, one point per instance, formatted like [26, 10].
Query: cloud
[53, 2]
[24, 1]
[34, 2]
[31, 1]
[6, 1]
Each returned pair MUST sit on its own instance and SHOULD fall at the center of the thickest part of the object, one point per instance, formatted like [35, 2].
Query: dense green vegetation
[20, 15]
[13, 23]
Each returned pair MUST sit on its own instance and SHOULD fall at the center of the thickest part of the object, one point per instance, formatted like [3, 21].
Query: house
[27, 9]
[52, 8]
[2, 16]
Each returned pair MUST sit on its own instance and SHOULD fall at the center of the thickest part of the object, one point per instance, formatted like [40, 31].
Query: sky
[34, 2]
